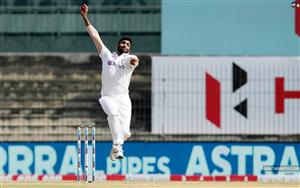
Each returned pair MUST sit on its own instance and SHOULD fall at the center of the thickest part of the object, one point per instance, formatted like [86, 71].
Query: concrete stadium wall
[61, 29]
[241, 28]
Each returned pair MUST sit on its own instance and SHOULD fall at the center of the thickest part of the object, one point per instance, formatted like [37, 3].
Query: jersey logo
[112, 63]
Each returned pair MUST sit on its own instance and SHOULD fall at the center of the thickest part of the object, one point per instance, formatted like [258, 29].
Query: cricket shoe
[116, 152]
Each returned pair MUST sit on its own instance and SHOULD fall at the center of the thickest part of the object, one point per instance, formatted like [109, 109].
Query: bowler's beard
[121, 51]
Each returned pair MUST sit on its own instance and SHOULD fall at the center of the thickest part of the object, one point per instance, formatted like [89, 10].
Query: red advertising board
[296, 5]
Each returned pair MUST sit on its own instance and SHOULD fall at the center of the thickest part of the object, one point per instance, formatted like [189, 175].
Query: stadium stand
[46, 97]
[53, 95]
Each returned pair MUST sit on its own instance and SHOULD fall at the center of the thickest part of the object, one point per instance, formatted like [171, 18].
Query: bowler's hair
[125, 38]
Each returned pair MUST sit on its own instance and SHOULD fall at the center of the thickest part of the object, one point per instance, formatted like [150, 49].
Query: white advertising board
[226, 95]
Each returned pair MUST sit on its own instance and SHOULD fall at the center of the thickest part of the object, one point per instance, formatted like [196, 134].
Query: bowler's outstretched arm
[91, 30]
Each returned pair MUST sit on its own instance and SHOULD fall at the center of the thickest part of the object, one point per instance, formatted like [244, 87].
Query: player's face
[124, 46]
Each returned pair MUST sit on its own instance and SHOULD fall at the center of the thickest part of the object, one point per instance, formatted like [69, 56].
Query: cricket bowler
[117, 68]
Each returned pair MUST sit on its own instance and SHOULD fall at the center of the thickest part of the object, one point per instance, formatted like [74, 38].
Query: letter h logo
[213, 95]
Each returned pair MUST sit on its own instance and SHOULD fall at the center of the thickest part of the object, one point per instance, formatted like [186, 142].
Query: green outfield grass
[140, 184]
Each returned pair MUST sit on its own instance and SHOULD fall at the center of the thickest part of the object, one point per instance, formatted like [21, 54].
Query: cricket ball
[83, 8]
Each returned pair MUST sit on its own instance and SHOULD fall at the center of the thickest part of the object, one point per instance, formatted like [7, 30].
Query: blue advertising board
[190, 158]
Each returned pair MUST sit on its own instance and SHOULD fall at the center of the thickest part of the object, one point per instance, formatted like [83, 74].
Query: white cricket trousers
[118, 110]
